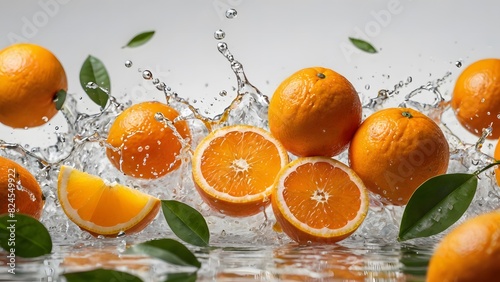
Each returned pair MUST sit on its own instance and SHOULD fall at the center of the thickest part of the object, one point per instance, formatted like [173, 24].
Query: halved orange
[319, 200]
[234, 168]
[104, 208]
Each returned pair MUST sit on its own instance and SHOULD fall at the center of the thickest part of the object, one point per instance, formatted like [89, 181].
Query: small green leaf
[181, 277]
[363, 45]
[101, 274]
[93, 72]
[168, 250]
[437, 204]
[187, 223]
[60, 98]
[140, 39]
[24, 236]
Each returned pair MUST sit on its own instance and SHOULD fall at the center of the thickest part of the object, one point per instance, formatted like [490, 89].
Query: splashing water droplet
[231, 13]
[458, 64]
[367, 87]
[128, 63]
[219, 34]
[147, 74]
[222, 46]
[91, 85]
[161, 86]
[409, 79]
[223, 93]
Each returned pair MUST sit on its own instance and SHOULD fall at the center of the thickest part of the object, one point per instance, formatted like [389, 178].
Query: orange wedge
[234, 168]
[319, 200]
[102, 208]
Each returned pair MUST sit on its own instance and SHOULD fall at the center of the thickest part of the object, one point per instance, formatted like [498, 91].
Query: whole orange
[470, 252]
[144, 147]
[30, 77]
[476, 97]
[397, 149]
[315, 112]
[19, 190]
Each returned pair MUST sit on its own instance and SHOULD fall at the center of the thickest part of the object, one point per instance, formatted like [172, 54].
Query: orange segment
[234, 169]
[102, 208]
[318, 199]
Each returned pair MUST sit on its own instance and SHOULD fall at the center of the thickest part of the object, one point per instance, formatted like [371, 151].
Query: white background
[421, 39]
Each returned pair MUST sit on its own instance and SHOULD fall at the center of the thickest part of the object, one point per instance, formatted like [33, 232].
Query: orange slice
[319, 200]
[234, 168]
[102, 208]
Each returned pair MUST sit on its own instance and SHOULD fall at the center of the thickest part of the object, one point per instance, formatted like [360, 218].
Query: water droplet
[45, 119]
[458, 64]
[222, 46]
[128, 63]
[139, 149]
[161, 86]
[147, 74]
[156, 81]
[367, 87]
[219, 34]
[57, 127]
[91, 85]
[223, 93]
[120, 234]
[409, 79]
[231, 13]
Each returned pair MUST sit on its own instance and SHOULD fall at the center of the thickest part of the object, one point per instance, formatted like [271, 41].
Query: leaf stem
[477, 172]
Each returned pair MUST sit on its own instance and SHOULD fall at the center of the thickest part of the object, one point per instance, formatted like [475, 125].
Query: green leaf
[187, 223]
[24, 236]
[140, 39]
[94, 71]
[60, 98]
[101, 274]
[181, 277]
[168, 250]
[437, 204]
[363, 45]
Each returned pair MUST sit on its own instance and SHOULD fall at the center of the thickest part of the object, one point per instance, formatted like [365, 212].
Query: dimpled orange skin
[30, 77]
[394, 153]
[28, 198]
[470, 252]
[146, 147]
[315, 112]
[476, 97]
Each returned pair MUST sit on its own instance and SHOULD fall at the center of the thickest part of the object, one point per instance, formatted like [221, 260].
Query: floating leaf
[140, 39]
[93, 79]
[437, 204]
[181, 277]
[24, 236]
[363, 45]
[60, 98]
[168, 250]
[187, 223]
[101, 275]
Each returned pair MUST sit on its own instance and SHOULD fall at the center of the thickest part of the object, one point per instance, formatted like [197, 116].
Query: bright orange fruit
[30, 77]
[19, 190]
[319, 200]
[103, 208]
[475, 99]
[395, 150]
[315, 112]
[234, 168]
[145, 147]
[470, 252]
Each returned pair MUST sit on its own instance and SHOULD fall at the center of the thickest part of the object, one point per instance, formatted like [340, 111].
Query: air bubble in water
[219, 34]
[147, 74]
[128, 63]
[231, 13]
